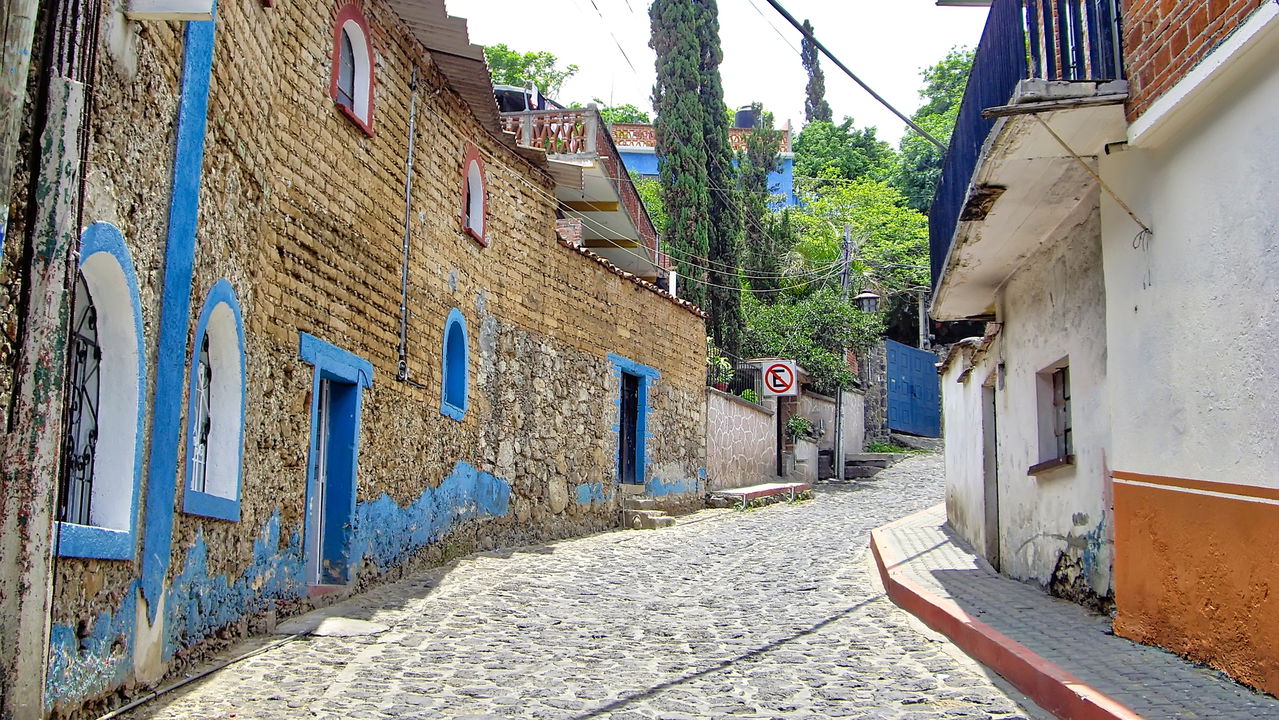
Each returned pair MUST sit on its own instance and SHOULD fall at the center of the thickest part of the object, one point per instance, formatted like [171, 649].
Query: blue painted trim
[633, 367]
[106, 543]
[175, 310]
[86, 541]
[195, 502]
[647, 376]
[334, 363]
[448, 372]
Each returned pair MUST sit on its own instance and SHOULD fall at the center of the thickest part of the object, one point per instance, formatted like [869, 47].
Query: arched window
[106, 374]
[474, 197]
[352, 82]
[215, 422]
[454, 377]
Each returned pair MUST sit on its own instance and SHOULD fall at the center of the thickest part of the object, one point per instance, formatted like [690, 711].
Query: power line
[817, 43]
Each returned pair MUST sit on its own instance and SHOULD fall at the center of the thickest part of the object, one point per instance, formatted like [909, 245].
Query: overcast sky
[886, 42]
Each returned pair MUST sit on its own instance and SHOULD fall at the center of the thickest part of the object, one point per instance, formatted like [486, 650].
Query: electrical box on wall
[170, 10]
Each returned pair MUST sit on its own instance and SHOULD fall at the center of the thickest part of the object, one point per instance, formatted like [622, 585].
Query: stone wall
[304, 214]
[741, 442]
[874, 369]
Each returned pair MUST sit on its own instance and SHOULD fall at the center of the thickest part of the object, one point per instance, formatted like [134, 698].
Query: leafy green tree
[920, 162]
[842, 152]
[765, 234]
[815, 106]
[812, 331]
[511, 67]
[627, 113]
[724, 219]
[650, 192]
[681, 150]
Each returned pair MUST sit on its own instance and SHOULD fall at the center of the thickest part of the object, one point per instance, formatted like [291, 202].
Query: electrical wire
[839, 64]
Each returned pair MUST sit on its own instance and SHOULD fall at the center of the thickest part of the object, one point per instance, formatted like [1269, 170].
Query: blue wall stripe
[175, 311]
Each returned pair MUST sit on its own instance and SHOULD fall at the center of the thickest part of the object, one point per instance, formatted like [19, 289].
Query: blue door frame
[914, 391]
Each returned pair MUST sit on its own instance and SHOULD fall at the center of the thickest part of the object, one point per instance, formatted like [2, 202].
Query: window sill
[452, 411]
[1048, 466]
[478, 238]
[195, 502]
[366, 128]
[87, 541]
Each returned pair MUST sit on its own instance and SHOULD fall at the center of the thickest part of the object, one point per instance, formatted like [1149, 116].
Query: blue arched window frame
[454, 374]
[195, 502]
[88, 541]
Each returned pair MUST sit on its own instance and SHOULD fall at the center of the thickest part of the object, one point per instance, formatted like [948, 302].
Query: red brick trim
[351, 13]
[472, 157]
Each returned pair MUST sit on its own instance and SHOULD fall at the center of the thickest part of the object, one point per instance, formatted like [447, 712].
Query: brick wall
[1164, 39]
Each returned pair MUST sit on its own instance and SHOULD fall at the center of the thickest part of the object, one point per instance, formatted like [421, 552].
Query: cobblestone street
[772, 613]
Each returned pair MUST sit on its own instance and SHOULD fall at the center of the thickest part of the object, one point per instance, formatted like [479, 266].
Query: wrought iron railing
[739, 377]
[1073, 40]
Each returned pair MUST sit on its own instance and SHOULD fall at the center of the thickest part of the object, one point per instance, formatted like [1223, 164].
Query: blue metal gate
[914, 391]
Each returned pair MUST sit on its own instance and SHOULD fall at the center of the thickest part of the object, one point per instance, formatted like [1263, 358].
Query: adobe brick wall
[1164, 39]
[304, 214]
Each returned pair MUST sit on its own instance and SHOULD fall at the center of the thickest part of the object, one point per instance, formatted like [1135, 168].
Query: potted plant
[719, 369]
[798, 428]
[749, 395]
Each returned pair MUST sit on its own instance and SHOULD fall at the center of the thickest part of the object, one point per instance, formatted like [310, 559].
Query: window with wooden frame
[352, 82]
[474, 197]
[1056, 431]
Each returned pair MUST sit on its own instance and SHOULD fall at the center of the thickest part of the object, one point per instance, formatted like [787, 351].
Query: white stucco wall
[854, 421]
[964, 431]
[1051, 310]
[821, 410]
[1194, 319]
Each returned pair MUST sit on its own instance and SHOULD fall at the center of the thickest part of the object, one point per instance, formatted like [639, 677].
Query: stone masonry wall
[304, 214]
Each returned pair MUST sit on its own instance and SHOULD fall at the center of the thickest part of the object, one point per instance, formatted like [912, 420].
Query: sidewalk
[1056, 652]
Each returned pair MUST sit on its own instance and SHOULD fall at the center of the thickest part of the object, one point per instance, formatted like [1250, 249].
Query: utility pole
[846, 280]
[923, 321]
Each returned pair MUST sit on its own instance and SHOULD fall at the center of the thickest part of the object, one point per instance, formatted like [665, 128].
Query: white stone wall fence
[741, 442]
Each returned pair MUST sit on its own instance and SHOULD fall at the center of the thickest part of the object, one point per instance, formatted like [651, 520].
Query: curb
[1046, 683]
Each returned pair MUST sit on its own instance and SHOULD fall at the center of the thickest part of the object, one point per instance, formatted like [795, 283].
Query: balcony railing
[558, 132]
[629, 135]
[1070, 40]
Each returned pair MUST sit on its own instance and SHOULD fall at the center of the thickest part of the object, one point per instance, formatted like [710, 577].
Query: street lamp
[867, 301]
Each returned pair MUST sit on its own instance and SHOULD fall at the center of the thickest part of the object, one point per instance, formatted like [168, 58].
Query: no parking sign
[780, 379]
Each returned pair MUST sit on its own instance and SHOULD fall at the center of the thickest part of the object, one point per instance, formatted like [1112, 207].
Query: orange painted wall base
[1197, 572]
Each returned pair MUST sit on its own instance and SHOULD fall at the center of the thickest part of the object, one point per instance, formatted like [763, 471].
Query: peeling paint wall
[1055, 528]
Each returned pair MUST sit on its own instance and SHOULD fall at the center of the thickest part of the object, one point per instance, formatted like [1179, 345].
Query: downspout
[18, 22]
[403, 366]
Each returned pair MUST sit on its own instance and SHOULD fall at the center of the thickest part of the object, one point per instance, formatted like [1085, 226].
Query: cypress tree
[681, 150]
[764, 236]
[815, 105]
[724, 219]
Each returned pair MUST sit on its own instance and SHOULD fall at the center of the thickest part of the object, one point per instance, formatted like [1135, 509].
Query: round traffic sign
[779, 378]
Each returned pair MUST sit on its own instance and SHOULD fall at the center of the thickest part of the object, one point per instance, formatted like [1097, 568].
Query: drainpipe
[403, 367]
[18, 20]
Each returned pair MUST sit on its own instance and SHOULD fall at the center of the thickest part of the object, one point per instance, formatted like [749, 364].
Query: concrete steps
[865, 466]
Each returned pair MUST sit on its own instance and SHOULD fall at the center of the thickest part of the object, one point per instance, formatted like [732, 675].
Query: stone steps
[642, 519]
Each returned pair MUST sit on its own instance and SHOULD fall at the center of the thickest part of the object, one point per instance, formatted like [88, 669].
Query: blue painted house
[637, 143]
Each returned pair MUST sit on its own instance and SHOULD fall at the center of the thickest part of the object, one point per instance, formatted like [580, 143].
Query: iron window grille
[346, 72]
[81, 439]
[203, 419]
